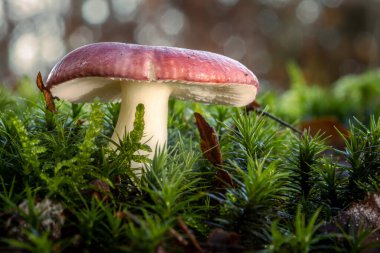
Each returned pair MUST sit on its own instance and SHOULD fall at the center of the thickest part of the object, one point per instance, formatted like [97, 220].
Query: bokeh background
[326, 38]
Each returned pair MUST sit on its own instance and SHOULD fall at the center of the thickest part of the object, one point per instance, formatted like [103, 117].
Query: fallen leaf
[209, 141]
[49, 99]
[211, 150]
[253, 106]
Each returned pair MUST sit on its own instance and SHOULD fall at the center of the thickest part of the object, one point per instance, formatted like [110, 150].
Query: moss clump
[62, 189]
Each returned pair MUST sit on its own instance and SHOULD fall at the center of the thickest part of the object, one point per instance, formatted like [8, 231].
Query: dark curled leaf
[253, 106]
[211, 151]
[209, 141]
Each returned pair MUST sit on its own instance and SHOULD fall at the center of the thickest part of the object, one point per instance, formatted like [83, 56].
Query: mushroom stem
[155, 99]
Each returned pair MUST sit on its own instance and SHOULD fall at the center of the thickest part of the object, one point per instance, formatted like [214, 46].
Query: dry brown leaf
[209, 141]
[49, 99]
[211, 150]
[253, 106]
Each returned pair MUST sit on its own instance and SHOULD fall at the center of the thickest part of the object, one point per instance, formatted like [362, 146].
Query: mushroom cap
[98, 70]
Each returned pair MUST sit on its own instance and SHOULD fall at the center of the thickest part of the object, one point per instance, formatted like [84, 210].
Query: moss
[286, 190]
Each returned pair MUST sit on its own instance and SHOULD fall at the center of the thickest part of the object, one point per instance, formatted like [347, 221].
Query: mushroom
[149, 75]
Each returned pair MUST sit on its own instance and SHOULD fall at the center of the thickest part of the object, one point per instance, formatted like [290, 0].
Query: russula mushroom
[150, 75]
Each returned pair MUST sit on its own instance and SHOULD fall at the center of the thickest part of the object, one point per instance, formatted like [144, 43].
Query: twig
[191, 236]
[254, 106]
[128, 215]
[282, 122]
[178, 237]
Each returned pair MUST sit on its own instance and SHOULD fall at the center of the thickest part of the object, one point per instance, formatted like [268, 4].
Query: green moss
[286, 187]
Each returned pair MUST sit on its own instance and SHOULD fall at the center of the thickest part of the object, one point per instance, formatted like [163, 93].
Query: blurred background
[326, 38]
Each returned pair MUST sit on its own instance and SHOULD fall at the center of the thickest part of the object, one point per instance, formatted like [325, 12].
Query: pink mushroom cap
[97, 70]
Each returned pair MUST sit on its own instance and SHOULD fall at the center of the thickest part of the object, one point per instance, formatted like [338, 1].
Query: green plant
[38, 243]
[249, 208]
[172, 185]
[64, 189]
[360, 240]
[330, 182]
[254, 136]
[306, 153]
[302, 237]
[363, 154]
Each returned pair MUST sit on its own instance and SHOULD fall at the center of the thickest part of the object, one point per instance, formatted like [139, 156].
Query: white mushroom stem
[155, 99]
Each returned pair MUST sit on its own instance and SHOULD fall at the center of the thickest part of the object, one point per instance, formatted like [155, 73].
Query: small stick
[178, 237]
[282, 122]
[254, 106]
[128, 215]
[191, 236]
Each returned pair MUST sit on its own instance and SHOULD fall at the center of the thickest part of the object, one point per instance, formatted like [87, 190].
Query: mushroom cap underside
[108, 89]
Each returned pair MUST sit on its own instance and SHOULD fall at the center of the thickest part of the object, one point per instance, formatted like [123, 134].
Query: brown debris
[191, 236]
[362, 216]
[209, 141]
[51, 218]
[221, 241]
[160, 249]
[49, 99]
[128, 215]
[253, 106]
[100, 190]
[365, 213]
[179, 238]
[211, 151]
[193, 246]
